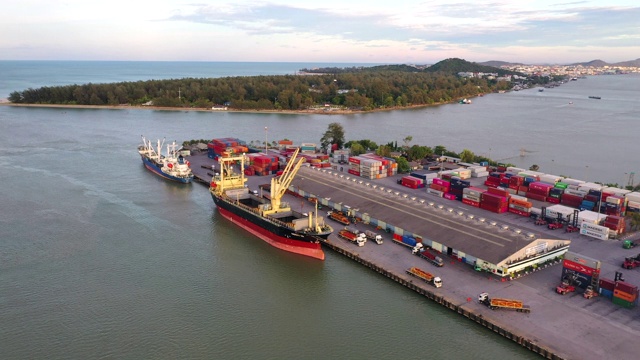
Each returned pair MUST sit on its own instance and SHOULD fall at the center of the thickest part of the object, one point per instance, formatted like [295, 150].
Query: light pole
[266, 144]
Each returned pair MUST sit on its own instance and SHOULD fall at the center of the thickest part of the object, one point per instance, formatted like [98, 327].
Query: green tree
[357, 149]
[439, 150]
[403, 165]
[384, 150]
[333, 135]
[406, 141]
[467, 156]
[417, 152]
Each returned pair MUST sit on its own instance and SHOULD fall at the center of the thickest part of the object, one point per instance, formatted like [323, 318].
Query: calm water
[99, 258]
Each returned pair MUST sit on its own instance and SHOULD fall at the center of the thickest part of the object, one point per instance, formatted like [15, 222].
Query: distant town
[571, 70]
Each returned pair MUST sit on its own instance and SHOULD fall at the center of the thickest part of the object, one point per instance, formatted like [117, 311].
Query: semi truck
[427, 255]
[427, 277]
[414, 246]
[498, 303]
[339, 217]
[373, 236]
[358, 239]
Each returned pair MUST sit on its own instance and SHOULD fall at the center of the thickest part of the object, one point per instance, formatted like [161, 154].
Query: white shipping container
[571, 181]
[471, 197]
[591, 217]
[633, 196]
[633, 204]
[471, 191]
[594, 231]
[480, 174]
[514, 170]
[550, 179]
[518, 197]
[590, 186]
[580, 193]
[435, 192]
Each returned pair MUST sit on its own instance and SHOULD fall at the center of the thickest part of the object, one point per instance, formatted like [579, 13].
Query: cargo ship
[268, 217]
[170, 166]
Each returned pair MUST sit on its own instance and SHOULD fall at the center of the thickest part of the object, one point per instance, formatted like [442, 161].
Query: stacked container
[440, 185]
[633, 201]
[581, 268]
[472, 196]
[412, 182]
[372, 166]
[520, 205]
[606, 288]
[226, 147]
[493, 180]
[494, 203]
[457, 187]
[539, 190]
[616, 224]
[625, 294]
[555, 195]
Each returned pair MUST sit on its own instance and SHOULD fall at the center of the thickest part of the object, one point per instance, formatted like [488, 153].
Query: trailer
[498, 303]
[427, 255]
[373, 236]
[358, 239]
[339, 217]
[427, 277]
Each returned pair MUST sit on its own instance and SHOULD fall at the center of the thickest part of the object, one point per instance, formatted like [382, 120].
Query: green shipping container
[623, 303]
[561, 185]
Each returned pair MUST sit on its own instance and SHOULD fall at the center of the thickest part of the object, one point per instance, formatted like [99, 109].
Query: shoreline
[264, 111]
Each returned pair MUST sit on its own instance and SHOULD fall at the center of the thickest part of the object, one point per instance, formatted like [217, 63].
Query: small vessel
[465, 101]
[268, 217]
[595, 97]
[540, 90]
[170, 166]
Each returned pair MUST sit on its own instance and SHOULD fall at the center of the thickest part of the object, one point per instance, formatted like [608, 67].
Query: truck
[339, 217]
[359, 239]
[427, 277]
[631, 262]
[373, 236]
[565, 287]
[498, 303]
[628, 244]
[427, 255]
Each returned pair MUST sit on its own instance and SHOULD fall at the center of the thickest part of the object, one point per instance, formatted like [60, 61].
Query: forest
[358, 89]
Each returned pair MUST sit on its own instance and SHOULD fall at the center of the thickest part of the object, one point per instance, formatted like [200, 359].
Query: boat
[464, 101]
[268, 217]
[595, 97]
[170, 166]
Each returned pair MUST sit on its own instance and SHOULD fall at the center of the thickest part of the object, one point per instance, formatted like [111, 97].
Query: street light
[266, 144]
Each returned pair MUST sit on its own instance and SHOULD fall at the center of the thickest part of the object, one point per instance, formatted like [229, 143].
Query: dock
[558, 327]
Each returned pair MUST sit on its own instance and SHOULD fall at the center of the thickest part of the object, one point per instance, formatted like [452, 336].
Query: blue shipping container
[409, 240]
[606, 293]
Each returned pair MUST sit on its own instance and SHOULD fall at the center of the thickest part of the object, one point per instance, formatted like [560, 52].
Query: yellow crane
[280, 184]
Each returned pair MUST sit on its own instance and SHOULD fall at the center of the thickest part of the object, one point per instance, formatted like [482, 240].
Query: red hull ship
[269, 219]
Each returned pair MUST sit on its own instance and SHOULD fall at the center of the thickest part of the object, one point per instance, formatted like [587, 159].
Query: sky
[352, 31]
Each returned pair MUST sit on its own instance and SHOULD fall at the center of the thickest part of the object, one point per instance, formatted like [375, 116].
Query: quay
[558, 327]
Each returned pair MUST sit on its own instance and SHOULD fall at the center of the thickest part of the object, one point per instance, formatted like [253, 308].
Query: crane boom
[280, 184]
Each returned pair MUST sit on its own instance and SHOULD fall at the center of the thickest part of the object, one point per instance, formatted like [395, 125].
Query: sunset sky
[372, 31]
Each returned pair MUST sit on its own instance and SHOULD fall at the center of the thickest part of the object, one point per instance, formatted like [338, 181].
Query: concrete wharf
[558, 327]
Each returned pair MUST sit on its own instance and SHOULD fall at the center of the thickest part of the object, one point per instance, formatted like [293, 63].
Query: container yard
[481, 226]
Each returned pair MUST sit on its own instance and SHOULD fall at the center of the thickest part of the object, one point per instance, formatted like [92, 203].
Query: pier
[558, 327]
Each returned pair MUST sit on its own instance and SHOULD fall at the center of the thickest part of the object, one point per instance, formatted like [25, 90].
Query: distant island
[317, 90]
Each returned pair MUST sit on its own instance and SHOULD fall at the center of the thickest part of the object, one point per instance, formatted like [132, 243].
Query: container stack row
[372, 166]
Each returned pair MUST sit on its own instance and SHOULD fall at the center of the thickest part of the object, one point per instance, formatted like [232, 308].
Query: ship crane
[280, 184]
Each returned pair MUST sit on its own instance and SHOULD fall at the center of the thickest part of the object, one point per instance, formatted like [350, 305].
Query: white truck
[373, 236]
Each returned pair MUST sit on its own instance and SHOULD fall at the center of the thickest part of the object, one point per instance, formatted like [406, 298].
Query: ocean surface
[99, 258]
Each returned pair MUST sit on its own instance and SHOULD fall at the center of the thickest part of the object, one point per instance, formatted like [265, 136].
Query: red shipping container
[553, 200]
[535, 196]
[586, 270]
[354, 160]
[490, 184]
[500, 192]
[449, 196]
[607, 284]
[518, 212]
[471, 202]
[397, 237]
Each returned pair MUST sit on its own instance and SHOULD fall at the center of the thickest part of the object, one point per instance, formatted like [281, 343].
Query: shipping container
[568, 264]
[606, 293]
[580, 280]
[623, 303]
[626, 287]
[631, 297]
[583, 260]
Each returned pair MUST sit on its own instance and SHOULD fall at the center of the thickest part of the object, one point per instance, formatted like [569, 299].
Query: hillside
[455, 65]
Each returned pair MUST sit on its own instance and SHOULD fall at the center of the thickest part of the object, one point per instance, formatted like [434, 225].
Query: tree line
[362, 90]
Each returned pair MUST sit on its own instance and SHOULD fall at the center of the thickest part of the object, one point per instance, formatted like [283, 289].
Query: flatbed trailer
[427, 277]
[500, 303]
